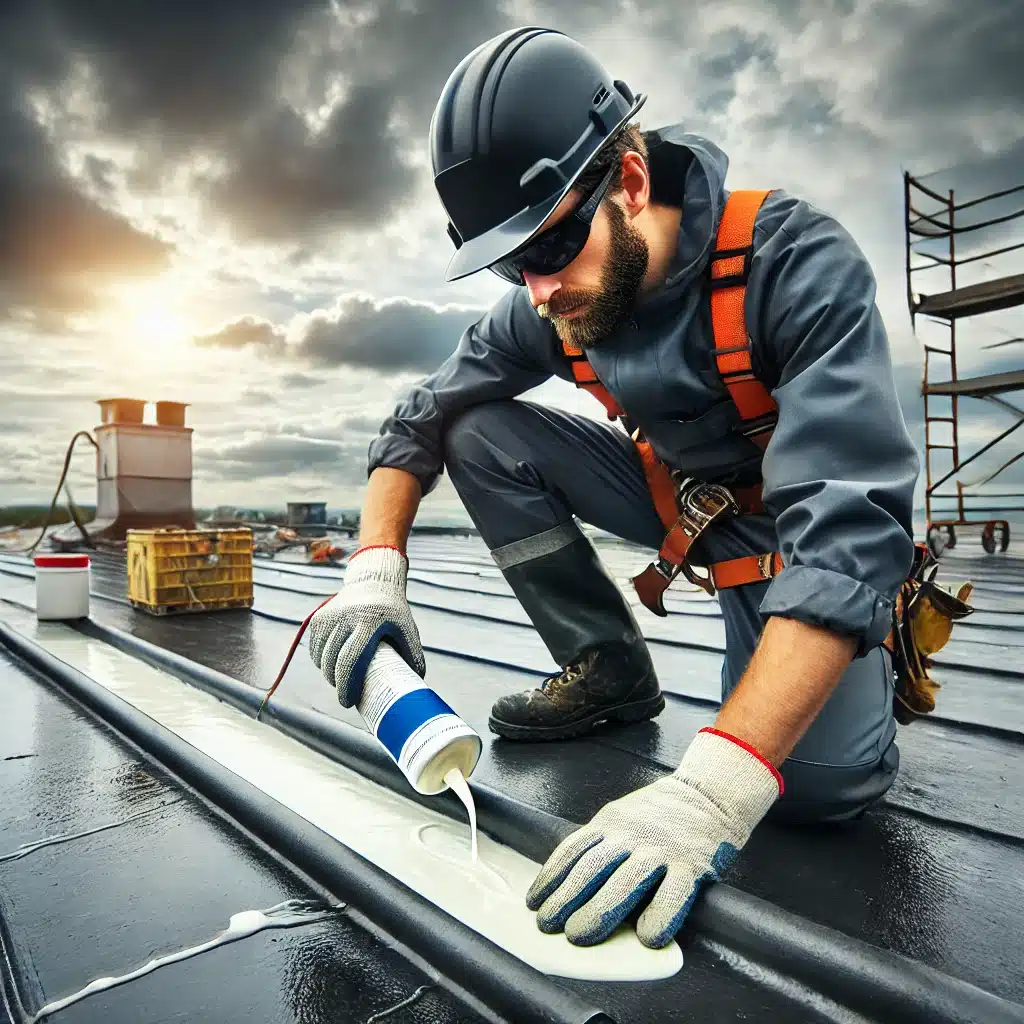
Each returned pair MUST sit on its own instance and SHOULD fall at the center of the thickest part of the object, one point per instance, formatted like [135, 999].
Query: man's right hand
[344, 633]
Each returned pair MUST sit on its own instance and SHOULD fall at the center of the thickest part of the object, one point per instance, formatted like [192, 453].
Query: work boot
[608, 682]
[588, 628]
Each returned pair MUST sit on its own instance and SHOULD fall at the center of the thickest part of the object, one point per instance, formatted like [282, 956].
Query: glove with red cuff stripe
[668, 838]
[372, 606]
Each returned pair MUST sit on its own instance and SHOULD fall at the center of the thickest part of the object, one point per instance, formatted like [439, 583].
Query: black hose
[56, 495]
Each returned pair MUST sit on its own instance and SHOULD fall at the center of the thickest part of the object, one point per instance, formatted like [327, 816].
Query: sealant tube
[423, 735]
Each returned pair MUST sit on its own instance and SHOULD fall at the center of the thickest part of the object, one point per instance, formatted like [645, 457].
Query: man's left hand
[668, 838]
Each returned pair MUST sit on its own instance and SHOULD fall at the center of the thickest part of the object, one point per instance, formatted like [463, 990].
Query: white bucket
[62, 586]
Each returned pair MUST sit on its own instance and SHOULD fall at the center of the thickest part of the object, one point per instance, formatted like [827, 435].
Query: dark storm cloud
[286, 182]
[183, 71]
[954, 58]
[351, 172]
[186, 79]
[56, 245]
[389, 337]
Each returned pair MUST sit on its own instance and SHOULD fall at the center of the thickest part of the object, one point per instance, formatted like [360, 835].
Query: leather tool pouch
[922, 623]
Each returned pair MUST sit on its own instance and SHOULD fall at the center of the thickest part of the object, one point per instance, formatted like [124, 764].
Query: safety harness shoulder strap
[730, 268]
[688, 507]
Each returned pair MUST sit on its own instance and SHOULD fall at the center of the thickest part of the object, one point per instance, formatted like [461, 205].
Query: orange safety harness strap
[730, 268]
[586, 378]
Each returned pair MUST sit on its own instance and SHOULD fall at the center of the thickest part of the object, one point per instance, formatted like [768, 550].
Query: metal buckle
[701, 503]
[764, 565]
[730, 280]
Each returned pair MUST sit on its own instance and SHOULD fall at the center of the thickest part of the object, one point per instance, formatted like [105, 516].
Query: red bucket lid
[61, 561]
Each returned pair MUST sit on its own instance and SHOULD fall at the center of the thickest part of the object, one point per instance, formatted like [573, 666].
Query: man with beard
[636, 273]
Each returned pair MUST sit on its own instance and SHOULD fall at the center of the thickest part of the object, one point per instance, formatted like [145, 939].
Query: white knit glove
[344, 633]
[674, 835]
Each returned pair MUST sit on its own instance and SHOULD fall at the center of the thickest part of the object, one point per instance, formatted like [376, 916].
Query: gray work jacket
[840, 471]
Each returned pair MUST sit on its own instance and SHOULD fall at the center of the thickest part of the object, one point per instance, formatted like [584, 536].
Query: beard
[605, 308]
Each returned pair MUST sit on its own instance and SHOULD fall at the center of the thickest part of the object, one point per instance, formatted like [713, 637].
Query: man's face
[590, 297]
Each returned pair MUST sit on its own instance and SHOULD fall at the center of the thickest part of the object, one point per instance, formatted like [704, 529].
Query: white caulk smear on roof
[26, 848]
[424, 849]
[243, 924]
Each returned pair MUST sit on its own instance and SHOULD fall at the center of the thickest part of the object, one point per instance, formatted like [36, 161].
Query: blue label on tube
[406, 715]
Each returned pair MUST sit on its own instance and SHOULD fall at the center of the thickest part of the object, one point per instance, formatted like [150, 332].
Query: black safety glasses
[557, 247]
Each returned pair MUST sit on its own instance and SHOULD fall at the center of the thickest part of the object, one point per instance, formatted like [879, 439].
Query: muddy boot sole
[634, 711]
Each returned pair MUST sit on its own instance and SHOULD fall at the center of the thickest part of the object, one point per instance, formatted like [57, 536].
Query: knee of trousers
[475, 436]
[833, 792]
[494, 444]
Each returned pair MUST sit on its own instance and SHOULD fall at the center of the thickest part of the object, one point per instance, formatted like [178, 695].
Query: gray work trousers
[522, 469]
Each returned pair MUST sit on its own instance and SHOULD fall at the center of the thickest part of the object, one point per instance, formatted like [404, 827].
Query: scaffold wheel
[988, 538]
[941, 537]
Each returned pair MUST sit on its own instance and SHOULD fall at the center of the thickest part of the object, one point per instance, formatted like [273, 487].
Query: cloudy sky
[229, 203]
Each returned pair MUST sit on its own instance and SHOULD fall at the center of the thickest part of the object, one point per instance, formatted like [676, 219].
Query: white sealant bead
[62, 586]
[422, 734]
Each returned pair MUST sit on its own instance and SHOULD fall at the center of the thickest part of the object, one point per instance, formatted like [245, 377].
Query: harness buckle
[730, 280]
[701, 503]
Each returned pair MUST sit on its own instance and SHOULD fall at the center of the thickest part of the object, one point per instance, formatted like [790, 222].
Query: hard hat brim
[480, 252]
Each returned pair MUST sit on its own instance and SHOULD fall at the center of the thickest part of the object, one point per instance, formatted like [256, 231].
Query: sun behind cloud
[153, 312]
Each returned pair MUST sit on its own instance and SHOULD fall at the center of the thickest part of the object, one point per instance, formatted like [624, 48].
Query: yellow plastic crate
[173, 570]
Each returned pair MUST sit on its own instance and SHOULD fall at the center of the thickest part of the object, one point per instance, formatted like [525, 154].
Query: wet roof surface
[168, 877]
[935, 873]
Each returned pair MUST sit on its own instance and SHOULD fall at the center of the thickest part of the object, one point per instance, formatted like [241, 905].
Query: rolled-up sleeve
[505, 353]
[841, 467]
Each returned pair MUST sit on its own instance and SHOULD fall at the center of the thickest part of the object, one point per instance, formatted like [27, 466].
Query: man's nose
[540, 287]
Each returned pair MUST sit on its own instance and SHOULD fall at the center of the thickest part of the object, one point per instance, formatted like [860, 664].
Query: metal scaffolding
[942, 228]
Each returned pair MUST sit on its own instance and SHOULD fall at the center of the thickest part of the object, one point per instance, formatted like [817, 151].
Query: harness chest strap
[730, 267]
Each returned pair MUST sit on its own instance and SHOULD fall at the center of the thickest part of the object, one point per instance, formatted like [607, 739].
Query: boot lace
[568, 675]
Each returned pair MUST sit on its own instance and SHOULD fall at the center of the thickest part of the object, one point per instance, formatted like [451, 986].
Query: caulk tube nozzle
[423, 735]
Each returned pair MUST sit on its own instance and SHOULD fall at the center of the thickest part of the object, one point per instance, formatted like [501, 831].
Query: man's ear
[635, 194]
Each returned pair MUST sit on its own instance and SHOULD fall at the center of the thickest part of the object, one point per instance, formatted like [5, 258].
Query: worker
[606, 236]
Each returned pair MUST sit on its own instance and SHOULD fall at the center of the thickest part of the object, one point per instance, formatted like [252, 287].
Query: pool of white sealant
[427, 851]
